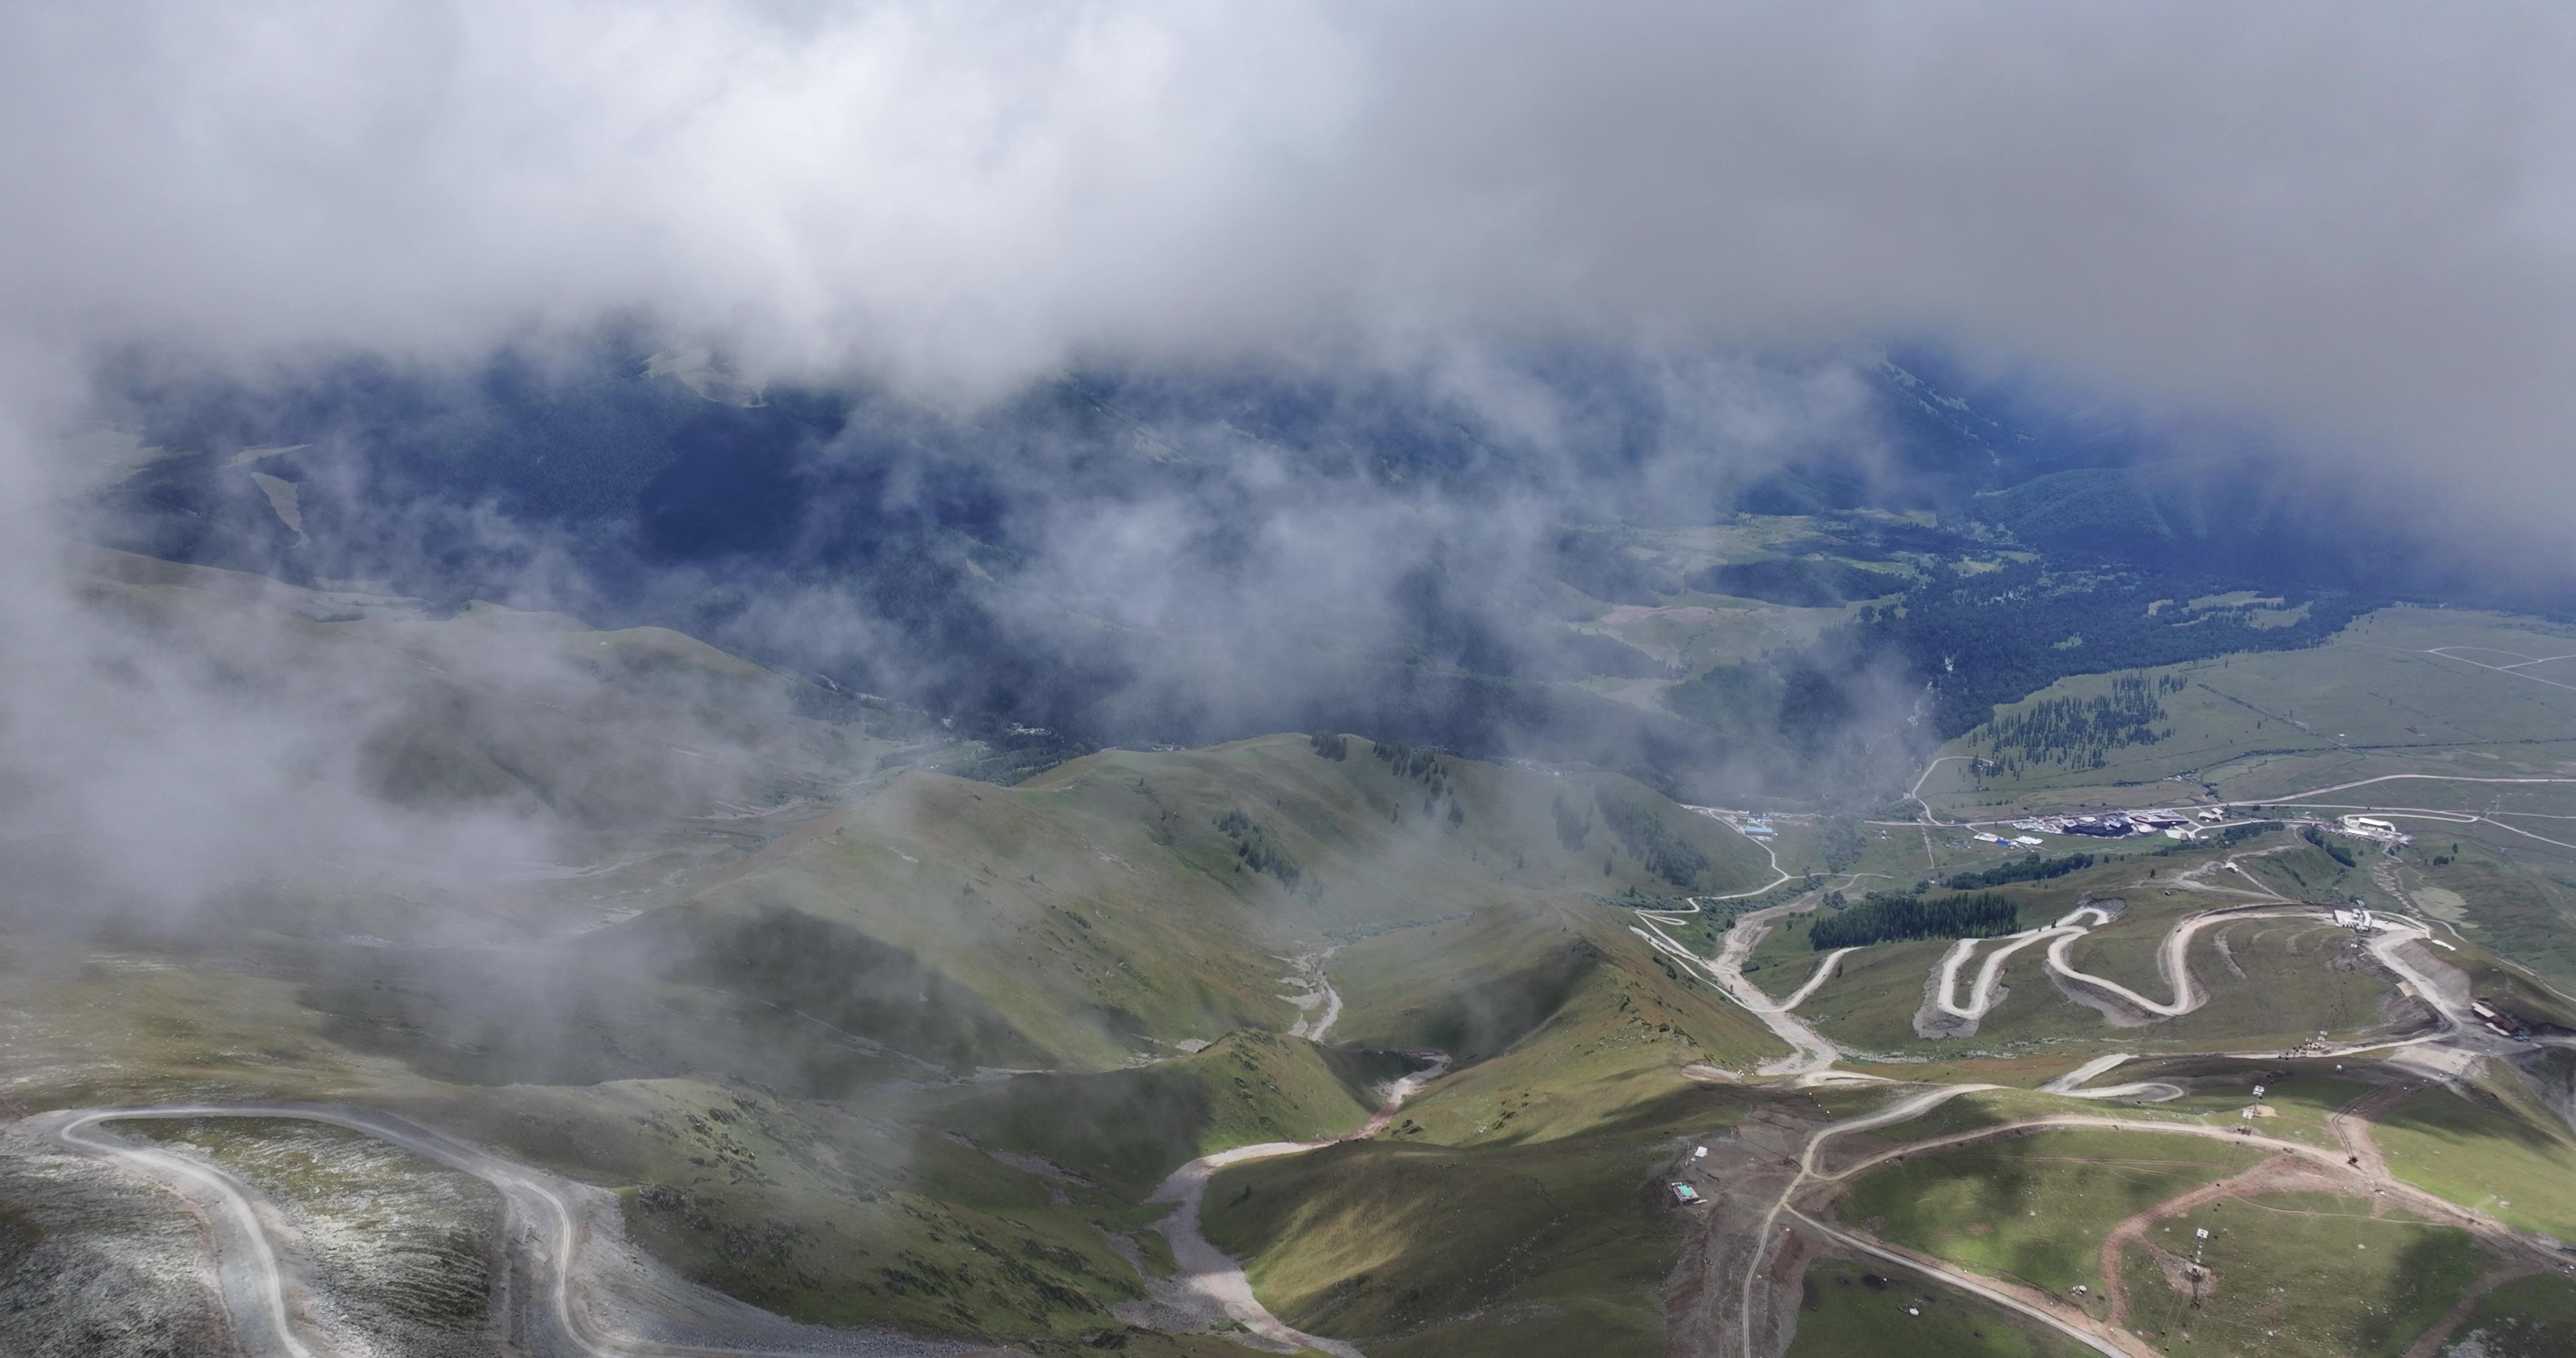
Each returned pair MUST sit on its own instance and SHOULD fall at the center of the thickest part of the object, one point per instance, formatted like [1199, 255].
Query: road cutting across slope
[1217, 1277]
[1982, 999]
[547, 1223]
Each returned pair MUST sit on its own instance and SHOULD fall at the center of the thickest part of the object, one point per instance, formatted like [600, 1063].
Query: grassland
[2526, 1318]
[1540, 1238]
[2492, 1148]
[2033, 1208]
[1508, 974]
[2300, 1274]
[791, 1048]
[2373, 700]
[2297, 1098]
[1846, 1308]
[2514, 903]
[845, 964]
[1129, 1128]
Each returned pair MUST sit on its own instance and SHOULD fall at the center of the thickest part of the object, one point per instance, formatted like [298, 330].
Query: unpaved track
[1216, 1277]
[2073, 1083]
[2173, 961]
[1981, 999]
[1964, 1283]
[1809, 1050]
[1320, 995]
[573, 1313]
[2508, 1243]
[1903, 1110]
[1824, 973]
[2272, 1174]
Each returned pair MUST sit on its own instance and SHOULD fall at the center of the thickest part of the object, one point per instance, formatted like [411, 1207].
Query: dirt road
[585, 1295]
[1215, 1278]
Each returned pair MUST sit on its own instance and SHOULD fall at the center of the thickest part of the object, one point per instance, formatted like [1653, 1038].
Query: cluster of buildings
[2372, 828]
[2117, 825]
[2504, 1022]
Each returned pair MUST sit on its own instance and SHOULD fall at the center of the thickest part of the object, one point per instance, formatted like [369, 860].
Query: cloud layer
[2353, 219]
[2351, 224]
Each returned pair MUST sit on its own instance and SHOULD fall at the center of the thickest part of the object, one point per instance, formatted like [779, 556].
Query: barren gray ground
[572, 1285]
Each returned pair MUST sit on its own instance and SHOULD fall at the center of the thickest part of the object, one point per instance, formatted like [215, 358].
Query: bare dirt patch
[2182, 1275]
[1744, 1174]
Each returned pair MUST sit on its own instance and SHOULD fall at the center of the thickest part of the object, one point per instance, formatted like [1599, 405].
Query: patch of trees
[2335, 851]
[1887, 916]
[1843, 842]
[1255, 848]
[2225, 839]
[1665, 854]
[1409, 761]
[2030, 869]
[1423, 764]
[1989, 638]
[1798, 582]
[2237, 834]
[1572, 826]
[1329, 745]
[2079, 732]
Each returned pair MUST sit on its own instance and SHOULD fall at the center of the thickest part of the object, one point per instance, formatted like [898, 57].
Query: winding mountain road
[1982, 998]
[574, 1312]
[1217, 1277]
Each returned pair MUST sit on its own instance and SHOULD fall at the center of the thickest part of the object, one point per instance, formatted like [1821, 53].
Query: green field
[1848, 1309]
[2299, 1274]
[2525, 1318]
[2033, 1208]
[1544, 1241]
[2373, 700]
[2493, 1149]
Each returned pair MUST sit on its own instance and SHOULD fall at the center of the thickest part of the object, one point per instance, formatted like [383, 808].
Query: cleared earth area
[395, 1252]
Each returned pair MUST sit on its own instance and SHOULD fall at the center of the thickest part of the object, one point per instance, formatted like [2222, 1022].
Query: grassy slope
[1085, 916]
[2033, 1208]
[2493, 1148]
[2525, 910]
[1544, 1240]
[2526, 1318]
[2304, 1275]
[1514, 1206]
[1069, 922]
[2260, 725]
[496, 709]
[1129, 1128]
[1850, 1309]
[1098, 908]
[838, 1215]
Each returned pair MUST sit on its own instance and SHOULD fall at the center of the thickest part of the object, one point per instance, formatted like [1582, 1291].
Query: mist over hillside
[954, 679]
[1188, 556]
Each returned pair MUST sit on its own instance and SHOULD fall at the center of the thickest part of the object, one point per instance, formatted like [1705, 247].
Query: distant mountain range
[988, 565]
